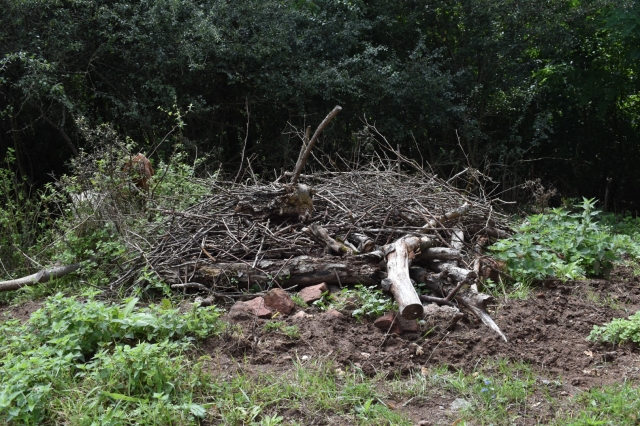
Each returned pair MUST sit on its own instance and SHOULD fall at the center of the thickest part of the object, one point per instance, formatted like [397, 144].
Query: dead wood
[334, 247]
[477, 304]
[40, 277]
[459, 274]
[398, 257]
[454, 214]
[302, 271]
[286, 201]
[302, 160]
[438, 253]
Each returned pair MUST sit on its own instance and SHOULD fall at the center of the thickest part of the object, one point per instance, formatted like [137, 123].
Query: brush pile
[376, 225]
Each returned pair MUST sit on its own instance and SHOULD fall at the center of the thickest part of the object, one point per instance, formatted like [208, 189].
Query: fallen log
[398, 257]
[40, 277]
[302, 271]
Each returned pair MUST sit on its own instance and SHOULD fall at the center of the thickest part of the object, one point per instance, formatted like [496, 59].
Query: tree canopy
[521, 90]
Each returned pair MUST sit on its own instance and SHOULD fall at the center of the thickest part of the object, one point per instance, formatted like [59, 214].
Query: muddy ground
[547, 330]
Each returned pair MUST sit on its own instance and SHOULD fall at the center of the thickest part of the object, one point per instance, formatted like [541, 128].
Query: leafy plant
[618, 330]
[563, 245]
[370, 302]
[121, 353]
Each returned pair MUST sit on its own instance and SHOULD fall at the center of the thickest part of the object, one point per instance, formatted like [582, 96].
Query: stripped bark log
[40, 277]
[438, 253]
[457, 239]
[459, 274]
[477, 304]
[460, 211]
[409, 304]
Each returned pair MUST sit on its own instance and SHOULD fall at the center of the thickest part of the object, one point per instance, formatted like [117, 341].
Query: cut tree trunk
[302, 271]
[398, 257]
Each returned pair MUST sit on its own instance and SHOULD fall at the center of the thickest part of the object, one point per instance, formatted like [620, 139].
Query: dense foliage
[542, 89]
[110, 355]
[566, 245]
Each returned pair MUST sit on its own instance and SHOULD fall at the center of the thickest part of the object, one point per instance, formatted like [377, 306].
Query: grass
[612, 405]
[312, 391]
[290, 331]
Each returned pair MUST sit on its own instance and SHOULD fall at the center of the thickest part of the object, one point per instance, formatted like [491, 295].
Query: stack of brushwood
[387, 223]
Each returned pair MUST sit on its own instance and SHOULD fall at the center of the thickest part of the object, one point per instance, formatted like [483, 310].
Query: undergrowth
[564, 245]
[618, 330]
[87, 362]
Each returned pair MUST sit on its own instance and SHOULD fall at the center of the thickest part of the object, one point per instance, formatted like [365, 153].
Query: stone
[388, 323]
[459, 404]
[250, 309]
[313, 293]
[332, 313]
[299, 315]
[278, 300]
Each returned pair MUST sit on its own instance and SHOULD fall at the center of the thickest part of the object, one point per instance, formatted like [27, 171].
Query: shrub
[563, 245]
[121, 352]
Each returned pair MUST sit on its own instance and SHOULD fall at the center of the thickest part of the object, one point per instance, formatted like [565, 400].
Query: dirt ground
[547, 331]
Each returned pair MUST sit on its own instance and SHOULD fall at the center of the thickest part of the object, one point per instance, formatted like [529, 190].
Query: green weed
[618, 330]
[563, 245]
[125, 361]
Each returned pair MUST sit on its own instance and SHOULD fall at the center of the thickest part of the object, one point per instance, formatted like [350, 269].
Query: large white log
[399, 254]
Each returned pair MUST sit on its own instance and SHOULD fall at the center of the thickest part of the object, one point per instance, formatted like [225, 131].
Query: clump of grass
[291, 331]
[318, 389]
[612, 405]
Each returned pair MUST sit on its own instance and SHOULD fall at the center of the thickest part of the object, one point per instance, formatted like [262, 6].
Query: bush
[563, 245]
[121, 352]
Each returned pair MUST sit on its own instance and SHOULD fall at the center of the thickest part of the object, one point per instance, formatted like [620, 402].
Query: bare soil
[548, 331]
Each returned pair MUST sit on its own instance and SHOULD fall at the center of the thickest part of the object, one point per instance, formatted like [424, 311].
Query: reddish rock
[278, 300]
[313, 293]
[388, 323]
[250, 309]
[332, 313]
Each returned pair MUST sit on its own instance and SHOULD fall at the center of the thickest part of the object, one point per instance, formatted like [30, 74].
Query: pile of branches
[387, 223]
